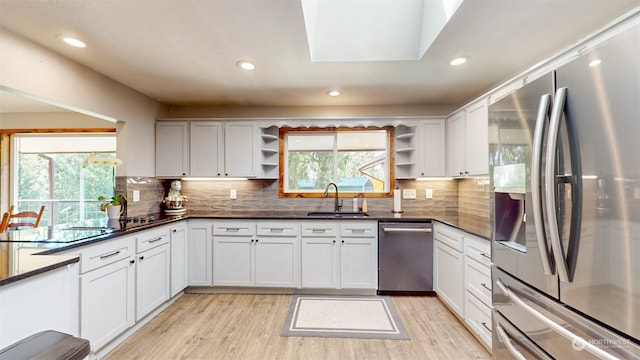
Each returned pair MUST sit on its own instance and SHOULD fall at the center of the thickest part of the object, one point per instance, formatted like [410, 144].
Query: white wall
[43, 74]
[57, 120]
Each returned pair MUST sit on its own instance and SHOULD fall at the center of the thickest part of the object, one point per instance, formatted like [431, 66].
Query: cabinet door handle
[174, 230]
[334, 241]
[485, 326]
[102, 257]
[132, 261]
[485, 255]
[155, 240]
[485, 286]
[343, 241]
[256, 240]
[141, 258]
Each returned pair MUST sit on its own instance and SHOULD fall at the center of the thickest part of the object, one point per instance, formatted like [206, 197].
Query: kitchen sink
[337, 214]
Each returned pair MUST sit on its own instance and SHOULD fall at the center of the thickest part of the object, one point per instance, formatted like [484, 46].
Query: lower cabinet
[449, 267]
[178, 241]
[359, 254]
[249, 253]
[478, 284]
[152, 270]
[320, 255]
[107, 290]
[200, 253]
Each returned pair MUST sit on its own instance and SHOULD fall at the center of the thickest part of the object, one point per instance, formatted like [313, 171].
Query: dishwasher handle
[401, 229]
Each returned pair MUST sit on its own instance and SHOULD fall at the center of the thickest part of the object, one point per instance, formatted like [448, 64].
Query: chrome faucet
[337, 205]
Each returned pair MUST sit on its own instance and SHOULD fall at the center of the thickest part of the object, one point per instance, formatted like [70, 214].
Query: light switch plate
[429, 194]
[136, 195]
[233, 194]
[409, 193]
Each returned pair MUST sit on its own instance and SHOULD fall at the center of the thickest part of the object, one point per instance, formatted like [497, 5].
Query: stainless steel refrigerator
[565, 173]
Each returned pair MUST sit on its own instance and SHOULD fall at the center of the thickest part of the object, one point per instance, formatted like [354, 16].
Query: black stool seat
[47, 345]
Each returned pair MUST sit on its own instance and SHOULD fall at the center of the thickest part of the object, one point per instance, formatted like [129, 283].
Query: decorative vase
[113, 211]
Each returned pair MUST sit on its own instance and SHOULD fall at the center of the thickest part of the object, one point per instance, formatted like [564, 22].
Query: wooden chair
[21, 219]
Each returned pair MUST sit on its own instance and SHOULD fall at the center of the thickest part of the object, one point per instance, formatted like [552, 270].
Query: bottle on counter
[364, 205]
[355, 204]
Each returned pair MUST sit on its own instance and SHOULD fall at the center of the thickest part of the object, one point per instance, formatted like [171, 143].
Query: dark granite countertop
[35, 249]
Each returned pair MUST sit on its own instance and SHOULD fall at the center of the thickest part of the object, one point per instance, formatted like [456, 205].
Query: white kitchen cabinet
[240, 148]
[406, 151]
[178, 241]
[200, 253]
[206, 148]
[277, 255]
[152, 270]
[107, 290]
[172, 149]
[359, 254]
[449, 267]
[234, 253]
[467, 141]
[478, 284]
[45, 301]
[320, 255]
[431, 155]
[264, 254]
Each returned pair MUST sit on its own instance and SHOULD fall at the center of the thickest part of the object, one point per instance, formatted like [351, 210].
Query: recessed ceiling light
[595, 62]
[456, 61]
[334, 93]
[245, 65]
[72, 41]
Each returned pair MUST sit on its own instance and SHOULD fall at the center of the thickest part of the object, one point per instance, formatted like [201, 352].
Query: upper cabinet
[172, 149]
[420, 149]
[206, 148]
[467, 141]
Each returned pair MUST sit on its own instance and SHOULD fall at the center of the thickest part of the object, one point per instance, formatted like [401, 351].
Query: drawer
[105, 253]
[478, 318]
[277, 229]
[234, 229]
[149, 239]
[449, 236]
[478, 280]
[478, 249]
[319, 229]
[357, 228]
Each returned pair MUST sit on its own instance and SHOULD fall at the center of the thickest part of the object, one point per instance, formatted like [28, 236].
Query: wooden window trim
[284, 131]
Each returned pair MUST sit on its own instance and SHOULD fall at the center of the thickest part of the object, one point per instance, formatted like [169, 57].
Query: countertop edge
[39, 270]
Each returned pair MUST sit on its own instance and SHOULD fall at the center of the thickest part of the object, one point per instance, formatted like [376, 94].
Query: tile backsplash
[465, 201]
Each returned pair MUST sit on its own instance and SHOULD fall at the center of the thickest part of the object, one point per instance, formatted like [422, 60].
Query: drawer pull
[485, 326]
[155, 240]
[279, 230]
[485, 255]
[485, 286]
[232, 229]
[318, 231]
[102, 257]
[360, 231]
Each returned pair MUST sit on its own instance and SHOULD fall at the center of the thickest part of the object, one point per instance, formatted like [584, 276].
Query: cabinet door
[432, 153]
[320, 262]
[172, 149]
[449, 274]
[477, 139]
[240, 152]
[358, 263]
[456, 143]
[233, 260]
[206, 148]
[107, 302]
[199, 254]
[178, 258]
[277, 261]
[152, 279]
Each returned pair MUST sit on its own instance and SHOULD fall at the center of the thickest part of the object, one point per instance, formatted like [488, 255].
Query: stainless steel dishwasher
[405, 257]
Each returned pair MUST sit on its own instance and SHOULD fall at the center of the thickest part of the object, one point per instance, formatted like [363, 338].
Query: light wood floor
[247, 326]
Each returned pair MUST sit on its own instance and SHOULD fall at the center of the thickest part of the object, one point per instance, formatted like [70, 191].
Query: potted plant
[113, 205]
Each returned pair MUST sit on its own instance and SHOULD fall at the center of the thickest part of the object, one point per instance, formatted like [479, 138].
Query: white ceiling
[184, 52]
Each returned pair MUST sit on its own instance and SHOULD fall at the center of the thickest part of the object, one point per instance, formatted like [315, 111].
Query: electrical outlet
[429, 194]
[136, 195]
[233, 194]
[409, 193]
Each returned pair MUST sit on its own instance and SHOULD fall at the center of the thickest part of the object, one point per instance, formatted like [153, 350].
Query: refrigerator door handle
[576, 341]
[550, 184]
[536, 176]
[506, 340]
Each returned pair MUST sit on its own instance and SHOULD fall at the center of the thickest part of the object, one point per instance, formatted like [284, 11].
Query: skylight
[374, 30]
